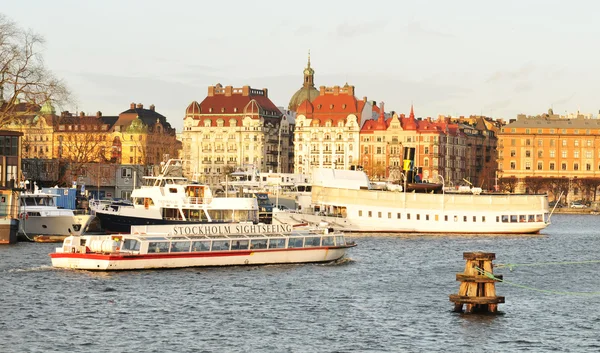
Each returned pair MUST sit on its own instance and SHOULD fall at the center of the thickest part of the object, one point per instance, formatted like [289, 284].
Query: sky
[495, 58]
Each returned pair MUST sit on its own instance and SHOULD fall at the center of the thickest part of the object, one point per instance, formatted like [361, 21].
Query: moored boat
[170, 198]
[178, 246]
[347, 201]
[39, 215]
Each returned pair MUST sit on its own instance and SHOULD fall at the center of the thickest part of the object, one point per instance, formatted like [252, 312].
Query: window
[552, 154]
[527, 165]
[576, 166]
[126, 173]
[528, 154]
[564, 143]
[563, 166]
[540, 143]
[576, 143]
[564, 154]
[551, 165]
[540, 154]
[539, 167]
[513, 165]
[513, 153]
[576, 154]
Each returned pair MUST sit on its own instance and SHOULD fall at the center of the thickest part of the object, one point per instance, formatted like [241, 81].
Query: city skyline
[460, 58]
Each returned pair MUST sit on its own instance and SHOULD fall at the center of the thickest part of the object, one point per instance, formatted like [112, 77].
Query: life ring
[24, 215]
[146, 203]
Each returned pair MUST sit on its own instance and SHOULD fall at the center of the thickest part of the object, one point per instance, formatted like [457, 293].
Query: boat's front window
[29, 201]
[327, 241]
[312, 241]
[180, 246]
[131, 245]
[339, 240]
[275, 243]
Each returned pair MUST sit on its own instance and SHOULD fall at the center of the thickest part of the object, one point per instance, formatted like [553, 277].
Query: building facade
[553, 154]
[234, 128]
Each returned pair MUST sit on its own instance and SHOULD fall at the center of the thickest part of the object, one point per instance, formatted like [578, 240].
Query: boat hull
[116, 223]
[116, 262]
[382, 226]
[54, 225]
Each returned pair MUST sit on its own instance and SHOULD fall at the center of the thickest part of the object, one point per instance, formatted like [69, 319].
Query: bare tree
[25, 83]
[589, 187]
[509, 183]
[535, 184]
[559, 186]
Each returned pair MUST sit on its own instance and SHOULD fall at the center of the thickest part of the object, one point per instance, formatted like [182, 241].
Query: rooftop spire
[412, 112]
[308, 58]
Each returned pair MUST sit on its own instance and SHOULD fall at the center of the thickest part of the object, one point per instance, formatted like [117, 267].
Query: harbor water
[389, 295]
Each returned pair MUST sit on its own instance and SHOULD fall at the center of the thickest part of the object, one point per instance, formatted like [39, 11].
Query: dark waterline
[390, 295]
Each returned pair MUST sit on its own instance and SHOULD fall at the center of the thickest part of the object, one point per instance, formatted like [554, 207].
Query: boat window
[497, 219]
[426, 217]
[258, 244]
[202, 245]
[531, 218]
[295, 242]
[227, 216]
[276, 243]
[379, 214]
[131, 245]
[408, 216]
[522, 218]
[464, 218]
[360, 213]
[180, 246]
[327, 241]
[418, 217]
[29, 201]
[398, 215]
[173, 190]
[339, 240]
[539, 218]
[312, 241]
[455, 218]
[158, 247]
[446, 218]
[389, 214]
[504, 219]
[483, 218]
[513, 218]
[220, 245]
[474, 218]
[239, 244]
[370, 214]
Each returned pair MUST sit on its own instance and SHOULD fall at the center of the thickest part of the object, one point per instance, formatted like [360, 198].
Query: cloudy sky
[497, 58]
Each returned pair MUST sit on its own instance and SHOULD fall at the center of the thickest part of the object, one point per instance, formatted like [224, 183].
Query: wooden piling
[477, 291]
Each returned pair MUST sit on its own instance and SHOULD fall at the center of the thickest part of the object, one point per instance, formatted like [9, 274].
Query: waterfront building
[481, 152]
[327, 130]
[553, 154]
[234, 128]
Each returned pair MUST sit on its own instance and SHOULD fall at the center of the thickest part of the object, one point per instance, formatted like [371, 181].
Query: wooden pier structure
[477, 291]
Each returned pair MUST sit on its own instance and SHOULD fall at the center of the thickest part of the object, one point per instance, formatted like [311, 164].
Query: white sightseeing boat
[346, 200]
[39, 215]
[172, 199]
[178, 246]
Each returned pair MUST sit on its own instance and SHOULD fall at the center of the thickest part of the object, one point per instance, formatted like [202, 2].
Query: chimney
[336, 90]
[228, 91]
[322, 90]
[132, 106]
[98, 114]
[140, 106]
[365, 99]
[266, 92]
[152, 107]
[211, 91]
[245, 91]
[81, 114]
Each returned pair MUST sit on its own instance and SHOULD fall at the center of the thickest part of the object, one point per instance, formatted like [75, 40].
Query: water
[391, 295]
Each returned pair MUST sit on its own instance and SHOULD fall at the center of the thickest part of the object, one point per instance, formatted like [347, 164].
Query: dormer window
[331, 106]
[210, 110]
[343, 106]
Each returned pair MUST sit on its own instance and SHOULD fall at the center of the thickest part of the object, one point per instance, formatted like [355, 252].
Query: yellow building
[547, 153]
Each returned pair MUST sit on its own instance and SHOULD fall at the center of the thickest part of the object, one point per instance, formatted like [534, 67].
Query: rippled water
[390, 295]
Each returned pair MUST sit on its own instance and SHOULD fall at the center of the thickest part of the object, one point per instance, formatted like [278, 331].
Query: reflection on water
[390, 295]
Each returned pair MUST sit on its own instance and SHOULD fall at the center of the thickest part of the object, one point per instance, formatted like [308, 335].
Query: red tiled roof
[335, 107]
[234, 103]
[305, 108]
